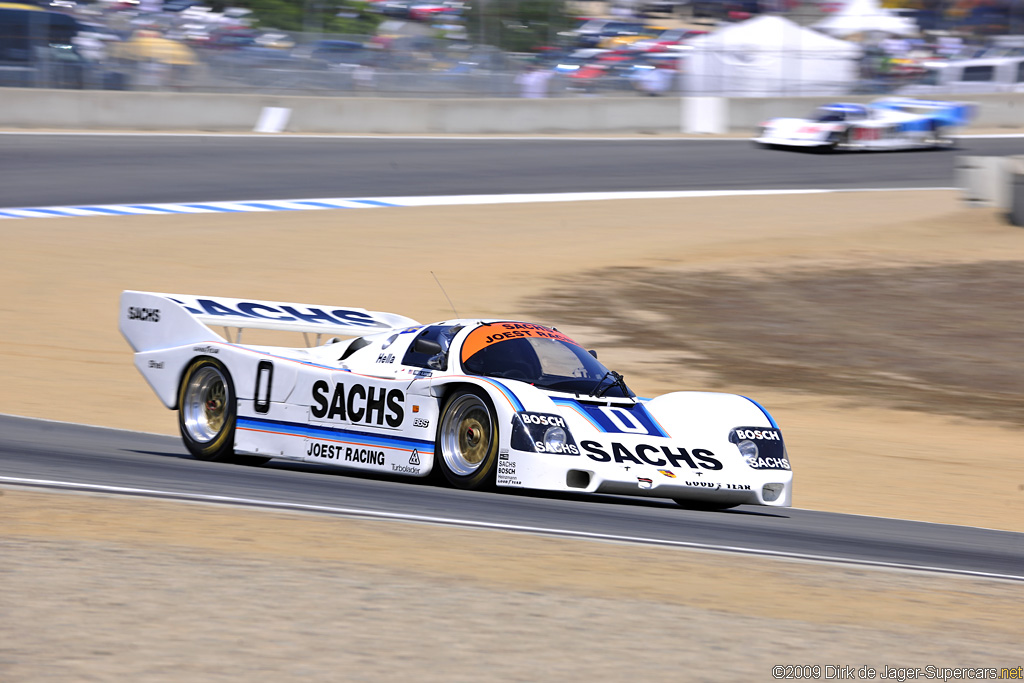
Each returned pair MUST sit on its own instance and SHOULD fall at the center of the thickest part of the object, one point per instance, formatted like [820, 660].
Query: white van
[964, 76]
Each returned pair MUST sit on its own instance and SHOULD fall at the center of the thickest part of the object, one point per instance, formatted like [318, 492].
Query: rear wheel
[940, 139]
[206, 411]
[467, 440]
[837, 141]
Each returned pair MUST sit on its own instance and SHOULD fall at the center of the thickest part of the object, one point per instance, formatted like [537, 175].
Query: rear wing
[946, 113]
[151, 320]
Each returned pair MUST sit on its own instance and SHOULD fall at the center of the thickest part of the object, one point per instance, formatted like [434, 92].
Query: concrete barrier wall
[995, 111]
[373, 115]
[110, 110]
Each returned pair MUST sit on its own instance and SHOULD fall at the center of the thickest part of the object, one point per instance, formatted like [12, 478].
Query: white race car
[486, 402]
[887, 124]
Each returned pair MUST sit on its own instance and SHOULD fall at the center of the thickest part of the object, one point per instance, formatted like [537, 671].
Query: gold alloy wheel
[467, 435]
[205, 405]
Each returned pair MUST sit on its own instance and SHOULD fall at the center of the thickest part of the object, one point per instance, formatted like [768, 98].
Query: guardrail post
[985, 181]
[705, 115]
[273, 120]
[1015, 168]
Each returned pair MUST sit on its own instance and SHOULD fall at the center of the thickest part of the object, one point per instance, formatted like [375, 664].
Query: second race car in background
[888, 124]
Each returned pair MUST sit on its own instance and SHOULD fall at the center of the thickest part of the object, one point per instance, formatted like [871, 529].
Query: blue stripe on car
[513, 399]
[574, 405]
[603, 423]
[771, 419]
[323, 432]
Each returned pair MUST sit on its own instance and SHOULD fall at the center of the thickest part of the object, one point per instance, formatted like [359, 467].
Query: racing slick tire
[939, 138]
[703, 504]
[467, 440]
[836, 141]
[207, 413]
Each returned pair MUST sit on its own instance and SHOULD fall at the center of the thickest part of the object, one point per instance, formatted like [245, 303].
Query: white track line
[269, 205]
[669, 137]
[473, 524]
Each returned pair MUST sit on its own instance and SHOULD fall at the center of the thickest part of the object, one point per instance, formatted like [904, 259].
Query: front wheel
[836, 141]
[940, 139]
[206, 410]
[467, 440]
[703, 505]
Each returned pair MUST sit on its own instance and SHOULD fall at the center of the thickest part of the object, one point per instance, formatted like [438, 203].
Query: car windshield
[841, 112]
[539, 355]
[826, 115]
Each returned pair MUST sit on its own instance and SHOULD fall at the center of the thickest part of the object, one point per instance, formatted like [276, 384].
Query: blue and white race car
[487, 403]
[893, 123]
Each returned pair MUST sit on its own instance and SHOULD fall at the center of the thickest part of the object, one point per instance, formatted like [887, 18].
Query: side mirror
[592, 352]
[428, 346]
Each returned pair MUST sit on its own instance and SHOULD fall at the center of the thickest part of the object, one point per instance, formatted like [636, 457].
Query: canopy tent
[866, 16]
[767, 56]
[150, 46]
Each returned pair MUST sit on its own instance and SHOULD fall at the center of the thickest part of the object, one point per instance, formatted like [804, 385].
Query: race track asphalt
[60, 170]
[97, 457]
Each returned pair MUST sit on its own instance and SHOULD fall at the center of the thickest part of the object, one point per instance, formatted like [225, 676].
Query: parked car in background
[591, 32]
[37, 49]
[333, 53]
[628, 39]
[727, 10]
[231, 38]
[670, 39]
[662, 6]
[983, 75]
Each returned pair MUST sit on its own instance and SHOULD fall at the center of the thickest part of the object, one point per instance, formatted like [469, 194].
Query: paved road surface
[61, 170]
[33, 449]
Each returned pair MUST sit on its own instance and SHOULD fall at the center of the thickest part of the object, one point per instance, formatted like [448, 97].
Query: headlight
[748, 449]
[542, 433]
[771, 492]
[555, 439]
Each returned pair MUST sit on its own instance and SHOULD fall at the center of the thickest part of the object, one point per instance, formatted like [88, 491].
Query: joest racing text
[334, 452]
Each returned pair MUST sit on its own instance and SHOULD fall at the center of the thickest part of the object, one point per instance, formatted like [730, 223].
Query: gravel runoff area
[941, 338]
[873, 325]
[98, 588]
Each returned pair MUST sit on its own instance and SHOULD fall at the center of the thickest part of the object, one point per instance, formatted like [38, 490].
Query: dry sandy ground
[105, 589]
[98, 589]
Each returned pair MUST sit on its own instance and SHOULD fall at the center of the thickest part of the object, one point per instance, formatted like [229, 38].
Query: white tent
[767, 56]
[866, 16]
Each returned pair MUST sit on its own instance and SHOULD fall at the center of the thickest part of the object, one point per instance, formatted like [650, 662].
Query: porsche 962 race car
[892, 123]
[486, 402]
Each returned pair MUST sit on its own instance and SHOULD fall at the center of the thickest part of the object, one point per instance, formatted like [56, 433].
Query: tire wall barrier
[169, 111]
